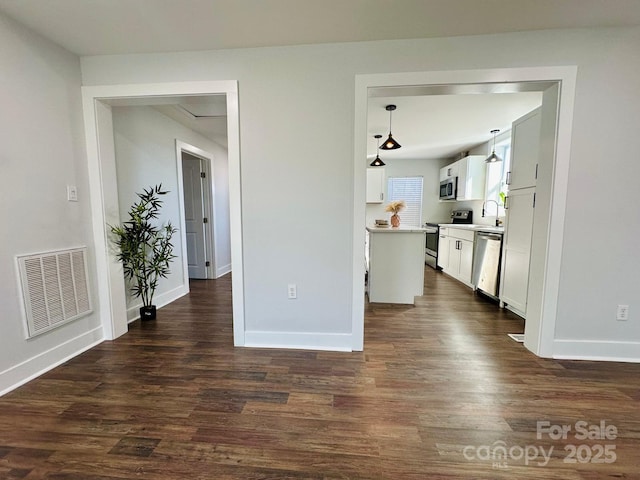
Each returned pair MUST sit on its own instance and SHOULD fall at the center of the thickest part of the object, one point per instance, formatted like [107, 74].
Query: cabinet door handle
[508, 180]
[506, 206]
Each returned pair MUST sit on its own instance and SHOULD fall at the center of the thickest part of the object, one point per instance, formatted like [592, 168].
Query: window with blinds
[408, 189]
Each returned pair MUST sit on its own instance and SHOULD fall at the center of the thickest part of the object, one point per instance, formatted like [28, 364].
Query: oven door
[431, 248]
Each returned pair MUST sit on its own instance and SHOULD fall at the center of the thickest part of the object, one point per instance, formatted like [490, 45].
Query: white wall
[297, 189]
[433, 210]
[42, 152]
[146, 156]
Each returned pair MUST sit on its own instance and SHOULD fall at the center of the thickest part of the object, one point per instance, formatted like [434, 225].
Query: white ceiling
[205, 114]
[441, 126]
[432, 126]
[99, 27]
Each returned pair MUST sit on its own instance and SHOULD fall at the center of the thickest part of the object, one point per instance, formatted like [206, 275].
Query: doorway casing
[208, 206]
[103, 191]
[549, 241]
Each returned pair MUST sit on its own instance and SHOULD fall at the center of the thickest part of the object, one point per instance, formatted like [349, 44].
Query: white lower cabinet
[455, 253]
[516, 250]
[443, 248]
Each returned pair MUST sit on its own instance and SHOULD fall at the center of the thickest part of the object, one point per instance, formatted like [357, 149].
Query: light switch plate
[72, 193]
[622, 313]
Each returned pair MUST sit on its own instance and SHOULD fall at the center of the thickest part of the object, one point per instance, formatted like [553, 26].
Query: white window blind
[408, 189]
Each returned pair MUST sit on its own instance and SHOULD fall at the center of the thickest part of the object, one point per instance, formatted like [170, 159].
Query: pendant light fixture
[377, 162]
[390, 143]
[493, 157]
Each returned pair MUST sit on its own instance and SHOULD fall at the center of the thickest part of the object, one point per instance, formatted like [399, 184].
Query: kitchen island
[396, 264]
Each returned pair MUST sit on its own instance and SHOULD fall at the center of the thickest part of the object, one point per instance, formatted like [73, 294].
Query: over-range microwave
[449, 188]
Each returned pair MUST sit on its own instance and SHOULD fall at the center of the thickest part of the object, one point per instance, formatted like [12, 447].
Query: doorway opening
[558, 86]
[205, 213]
[99, 130]
[197, 216]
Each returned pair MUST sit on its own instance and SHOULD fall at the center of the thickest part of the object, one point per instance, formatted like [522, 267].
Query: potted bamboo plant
[144, 248]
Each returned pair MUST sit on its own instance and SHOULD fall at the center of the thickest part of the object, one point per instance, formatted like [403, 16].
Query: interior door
[192, 170]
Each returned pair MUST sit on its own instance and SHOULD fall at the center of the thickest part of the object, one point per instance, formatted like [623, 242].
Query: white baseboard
[19, 374]
[511, 308]
[340, 342]
[223, 270]
[597, 350]
[160, 300]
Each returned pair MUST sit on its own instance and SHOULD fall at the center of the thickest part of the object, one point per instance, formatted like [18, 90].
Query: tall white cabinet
[516, 250]
[525, 150]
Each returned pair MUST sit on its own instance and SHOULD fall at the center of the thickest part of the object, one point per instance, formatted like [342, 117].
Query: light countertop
[474, 227]
[400, 229]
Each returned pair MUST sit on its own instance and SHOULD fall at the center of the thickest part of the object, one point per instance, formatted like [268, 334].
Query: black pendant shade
[377, 162]
[390, 143]
[493, 158]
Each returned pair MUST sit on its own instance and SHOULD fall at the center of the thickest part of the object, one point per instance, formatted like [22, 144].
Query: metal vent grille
[54, 288]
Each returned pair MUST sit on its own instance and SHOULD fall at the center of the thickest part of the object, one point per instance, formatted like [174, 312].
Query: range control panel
[462, 216]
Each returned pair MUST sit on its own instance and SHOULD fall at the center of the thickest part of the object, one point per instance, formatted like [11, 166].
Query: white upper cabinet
[525, 148]
[449, 171]
[471, 177]
[471, 172]
[375, 185]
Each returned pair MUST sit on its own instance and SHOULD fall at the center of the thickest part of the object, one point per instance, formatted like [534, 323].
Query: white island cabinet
[396, 264]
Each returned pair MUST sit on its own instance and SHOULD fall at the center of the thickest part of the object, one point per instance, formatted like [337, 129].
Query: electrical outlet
[292, 291]
[72, 193]
[622, 313]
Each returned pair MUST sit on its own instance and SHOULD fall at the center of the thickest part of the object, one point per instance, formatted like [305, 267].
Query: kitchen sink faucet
[497, 211]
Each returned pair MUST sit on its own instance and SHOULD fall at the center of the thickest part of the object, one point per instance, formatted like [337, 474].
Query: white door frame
[210, 232]
[103, 191]
[566, 76]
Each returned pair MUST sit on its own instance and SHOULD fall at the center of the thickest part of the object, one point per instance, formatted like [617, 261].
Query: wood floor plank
[438, 385]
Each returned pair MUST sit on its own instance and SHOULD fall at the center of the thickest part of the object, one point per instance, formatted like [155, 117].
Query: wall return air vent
[54, 288]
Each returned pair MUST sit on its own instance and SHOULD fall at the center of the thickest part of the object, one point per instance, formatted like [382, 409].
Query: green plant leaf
[145, 249]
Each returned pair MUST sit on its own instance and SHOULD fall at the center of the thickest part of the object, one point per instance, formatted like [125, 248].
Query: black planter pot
[148, 312]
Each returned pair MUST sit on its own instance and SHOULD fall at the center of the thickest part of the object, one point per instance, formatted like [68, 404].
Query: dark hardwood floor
[439, 389]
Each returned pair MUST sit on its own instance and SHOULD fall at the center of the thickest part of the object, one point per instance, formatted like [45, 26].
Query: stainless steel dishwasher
[486, 263]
